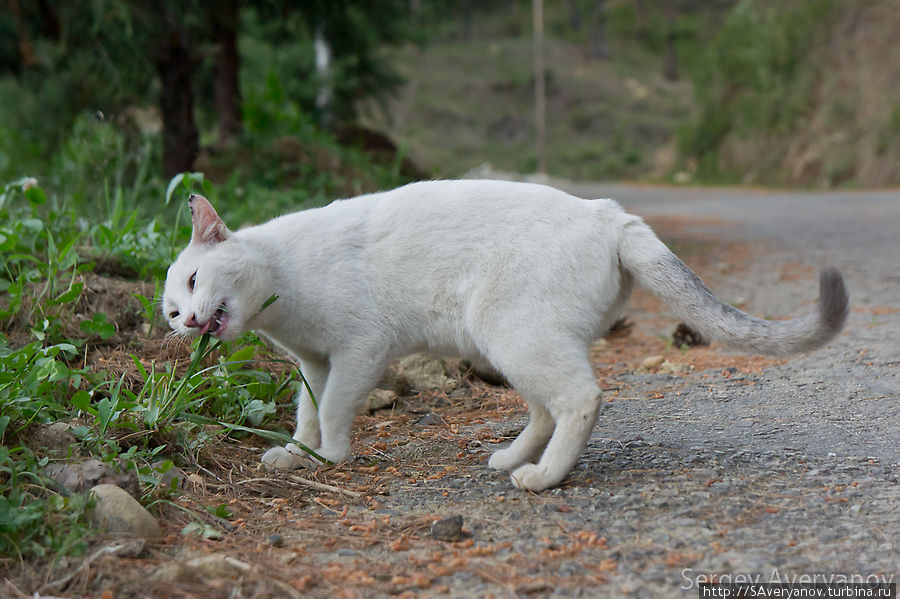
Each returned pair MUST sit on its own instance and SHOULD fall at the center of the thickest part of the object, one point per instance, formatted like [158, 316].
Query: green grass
[148, 413]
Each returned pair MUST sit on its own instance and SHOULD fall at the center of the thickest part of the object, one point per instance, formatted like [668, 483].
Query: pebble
[651, 363]
[429, 419]
[204, 568]
[448, 529]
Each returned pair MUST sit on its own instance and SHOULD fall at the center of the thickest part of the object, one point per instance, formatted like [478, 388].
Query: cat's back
[476, 204]
[444, 216]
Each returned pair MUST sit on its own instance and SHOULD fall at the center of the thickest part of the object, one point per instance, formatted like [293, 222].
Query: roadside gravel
[771, 476]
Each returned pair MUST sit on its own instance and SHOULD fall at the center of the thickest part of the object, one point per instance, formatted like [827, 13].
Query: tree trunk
[224, 21]
[574, 16]
[26, 46]
[670, 63]
[175, 64]
[599, 44]
[540, 87]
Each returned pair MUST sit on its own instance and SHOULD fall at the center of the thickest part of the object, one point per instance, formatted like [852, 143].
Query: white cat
[518, 278]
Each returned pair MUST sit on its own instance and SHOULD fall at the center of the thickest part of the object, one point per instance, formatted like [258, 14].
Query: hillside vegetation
[800, 93]
[773, 93]
[611, 112]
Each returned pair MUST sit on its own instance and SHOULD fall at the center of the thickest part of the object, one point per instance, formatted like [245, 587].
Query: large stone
[381, 398]
[79, 476]
[118, 512]
[426, 373]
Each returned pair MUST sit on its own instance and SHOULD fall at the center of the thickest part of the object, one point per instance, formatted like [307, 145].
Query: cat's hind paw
[284, 459]
[532, 477]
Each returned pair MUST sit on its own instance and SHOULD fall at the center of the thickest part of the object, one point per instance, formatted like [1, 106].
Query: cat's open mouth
[216, 325]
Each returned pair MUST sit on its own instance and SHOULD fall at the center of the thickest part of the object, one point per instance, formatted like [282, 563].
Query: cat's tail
[656, 268]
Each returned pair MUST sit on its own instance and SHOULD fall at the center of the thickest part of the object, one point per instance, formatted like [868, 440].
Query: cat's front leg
[292, 456]
[350, 380]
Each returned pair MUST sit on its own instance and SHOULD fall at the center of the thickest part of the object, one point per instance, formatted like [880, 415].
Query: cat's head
[211, 283]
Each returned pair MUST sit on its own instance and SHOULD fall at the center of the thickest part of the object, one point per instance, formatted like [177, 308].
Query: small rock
[170, 476]
[651, 363]
[276, 540]
[118, 512]
[674, 367]
[381, 398]
[56, 438]
[203, 568]
[448, 529]
[430, 419]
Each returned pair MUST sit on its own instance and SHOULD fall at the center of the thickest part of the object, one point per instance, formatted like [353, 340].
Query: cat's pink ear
[208, 227]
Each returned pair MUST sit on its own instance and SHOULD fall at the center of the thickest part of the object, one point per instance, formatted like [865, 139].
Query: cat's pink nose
[191, 322]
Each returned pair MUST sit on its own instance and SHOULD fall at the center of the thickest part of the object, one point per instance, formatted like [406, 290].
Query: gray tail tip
[834, 301]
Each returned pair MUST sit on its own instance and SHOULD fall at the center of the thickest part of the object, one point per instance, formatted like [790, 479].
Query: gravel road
[789, 473]
[815, 441]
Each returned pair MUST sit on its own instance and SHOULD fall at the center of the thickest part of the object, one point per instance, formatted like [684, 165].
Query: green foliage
[166, 410]
[279, 41]
[36, 520]
[754, 76]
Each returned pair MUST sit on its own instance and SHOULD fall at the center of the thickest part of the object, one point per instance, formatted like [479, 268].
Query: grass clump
[131, 396]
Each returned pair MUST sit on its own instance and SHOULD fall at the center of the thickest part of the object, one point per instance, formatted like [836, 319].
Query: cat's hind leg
[529, 444]
[573, 429]
[559, 376]
[292, 456]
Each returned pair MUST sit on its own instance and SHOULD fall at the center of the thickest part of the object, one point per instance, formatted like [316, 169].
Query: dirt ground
[690, 475]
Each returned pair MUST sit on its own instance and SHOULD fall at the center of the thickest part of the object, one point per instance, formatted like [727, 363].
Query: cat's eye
[174, 314]
[192, 281]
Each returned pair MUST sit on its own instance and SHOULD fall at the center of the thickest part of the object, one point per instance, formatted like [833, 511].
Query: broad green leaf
[82, 401]
[35, 196]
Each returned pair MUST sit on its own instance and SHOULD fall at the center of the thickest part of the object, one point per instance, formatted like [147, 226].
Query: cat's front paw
[532, 477]
[505, 459]
[335, 454]
[284, 459]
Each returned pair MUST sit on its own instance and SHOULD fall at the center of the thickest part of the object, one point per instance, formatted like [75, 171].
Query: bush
[755, 77]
